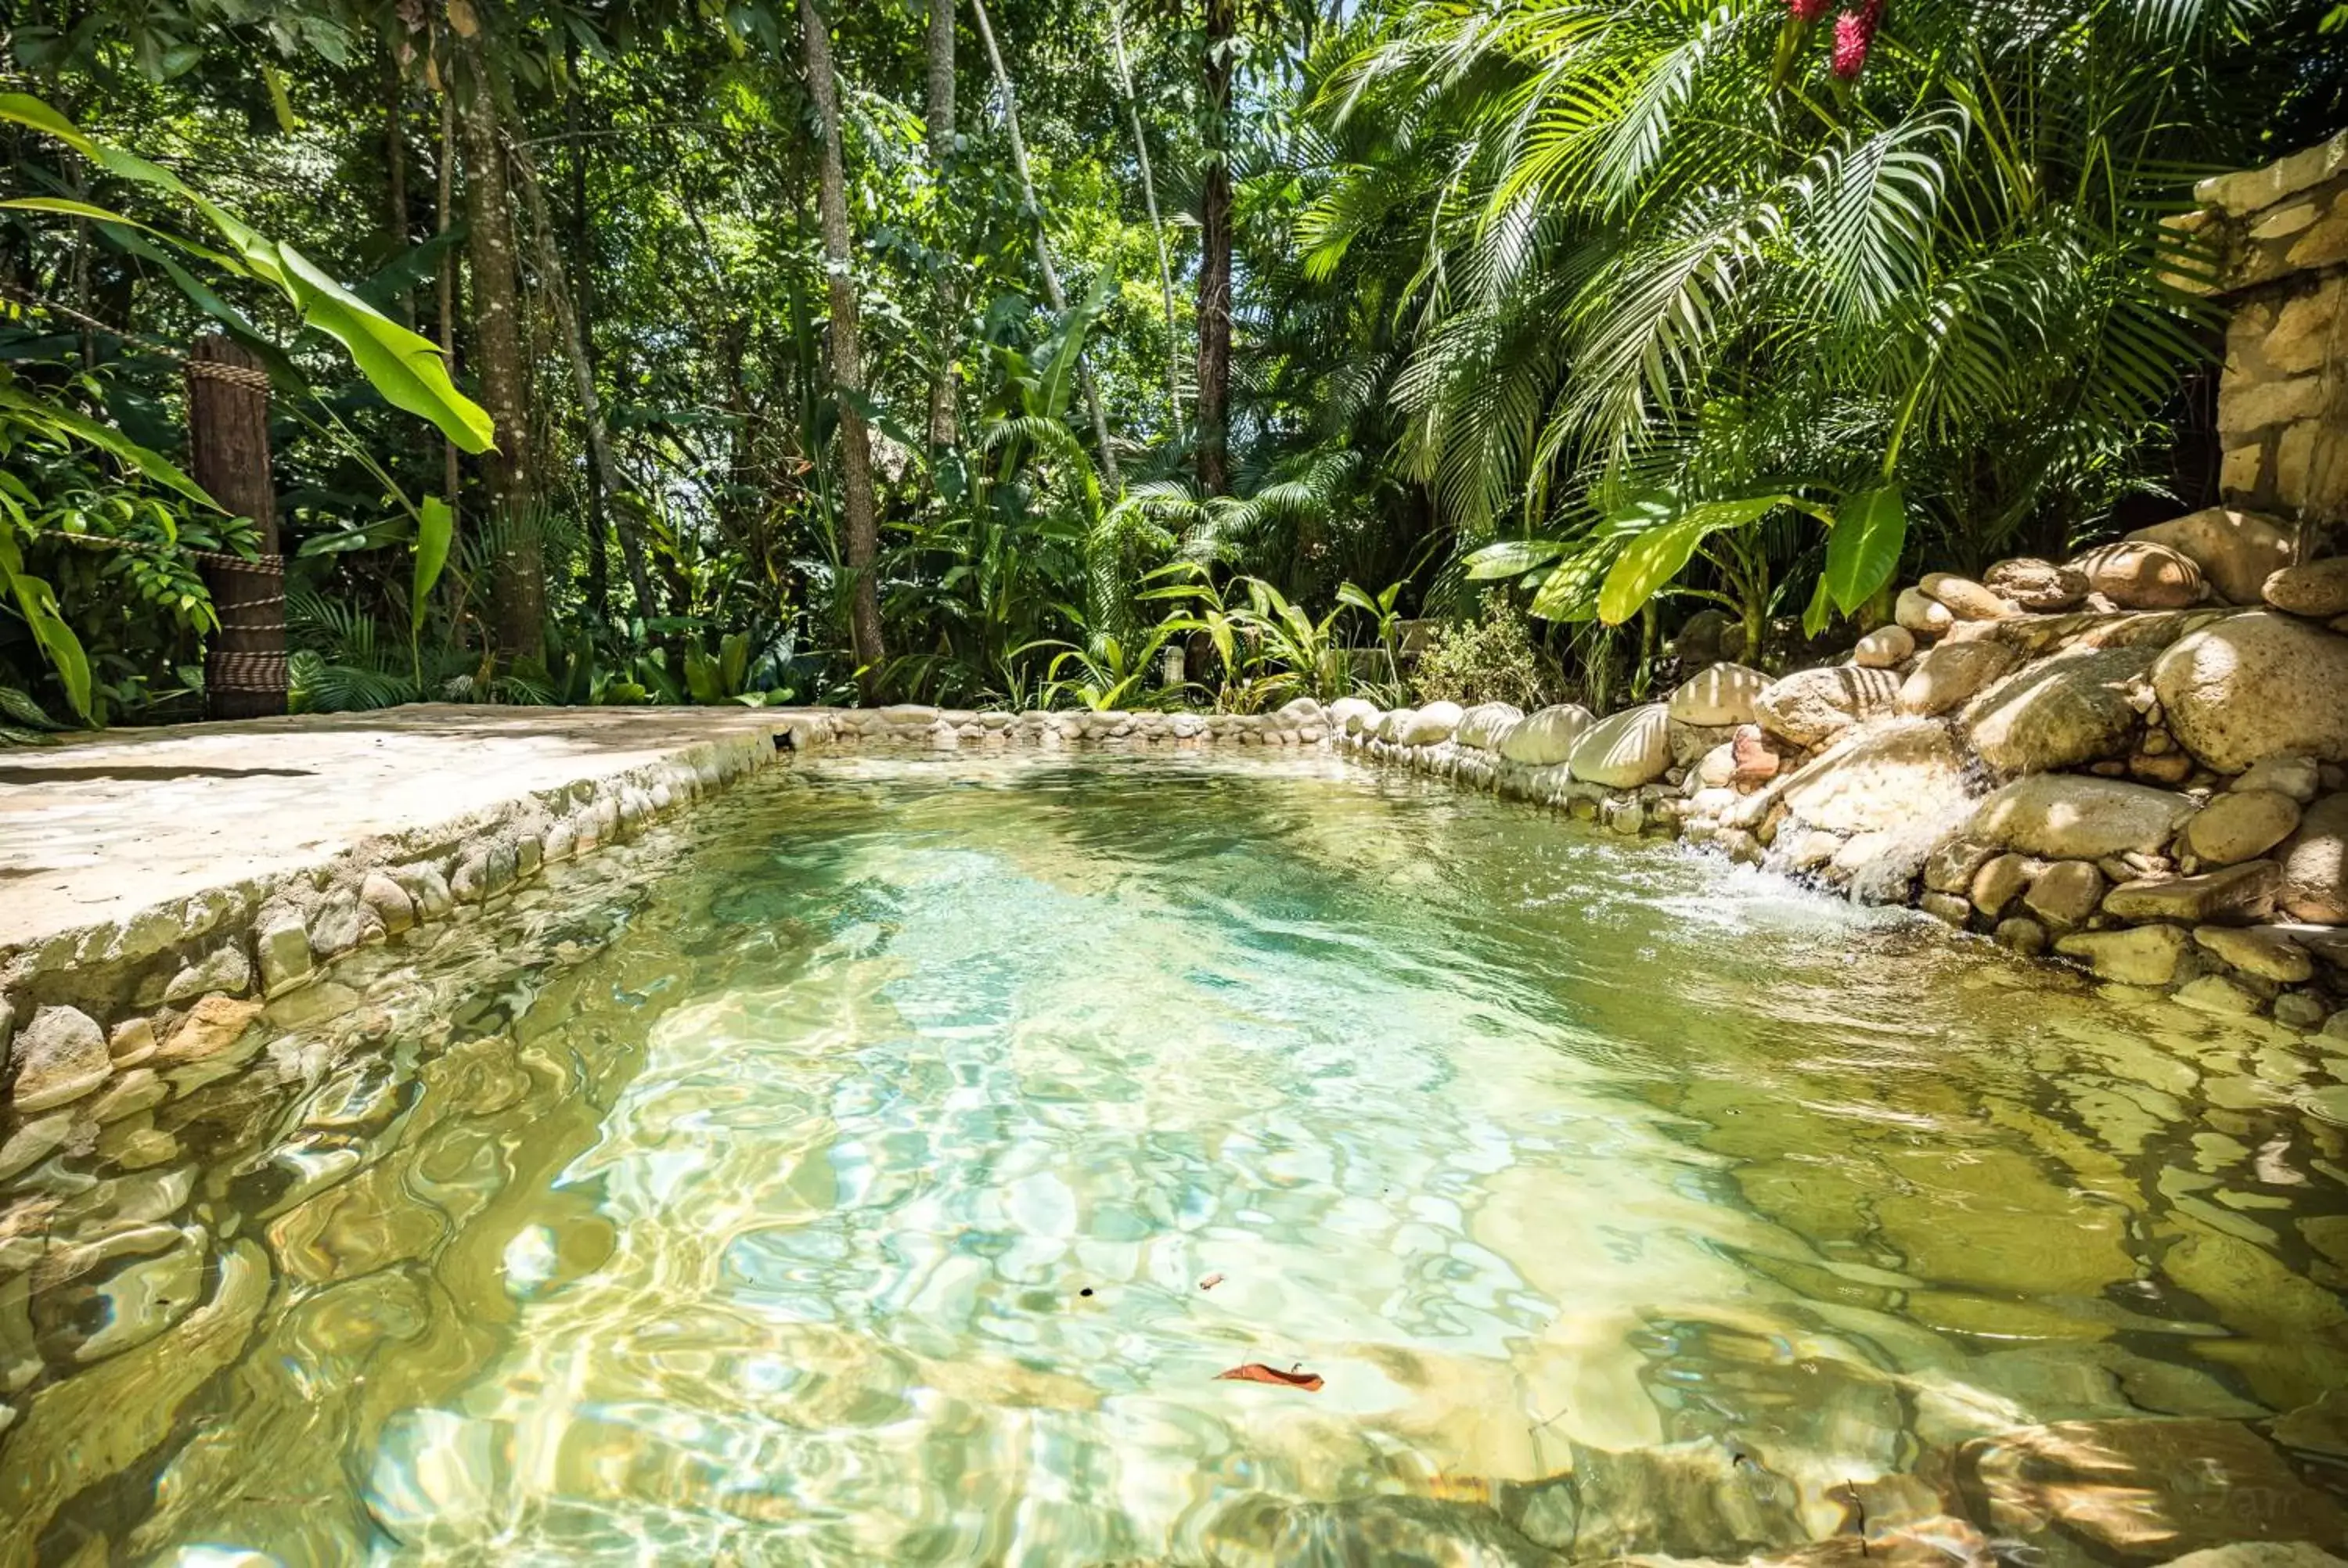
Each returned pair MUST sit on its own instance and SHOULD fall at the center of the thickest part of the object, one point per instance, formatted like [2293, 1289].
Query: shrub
[1491, 659]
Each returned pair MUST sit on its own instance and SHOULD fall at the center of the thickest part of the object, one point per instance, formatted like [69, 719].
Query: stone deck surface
[100, 827]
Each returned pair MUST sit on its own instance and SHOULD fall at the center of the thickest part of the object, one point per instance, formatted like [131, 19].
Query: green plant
[1490, 657]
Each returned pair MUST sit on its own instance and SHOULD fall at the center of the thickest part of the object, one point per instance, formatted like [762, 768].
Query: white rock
[2256, 686]
[2075, 816]
[1920, 613]
[1811, 707]
[1545, 738]
[1630, 749]
[1884, 648]
[1482, 725]
[56, 1059]
[1717, 694]
[1431, 725]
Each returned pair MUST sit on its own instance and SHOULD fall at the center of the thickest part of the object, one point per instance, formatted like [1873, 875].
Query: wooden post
[228, 434]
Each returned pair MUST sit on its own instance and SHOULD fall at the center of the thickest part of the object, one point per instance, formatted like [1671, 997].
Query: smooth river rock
[1884, 648]
[1965, 599]
[1811, 707]
[2141, 575]
[1481, 726]
[1953, 673]
[2256, 951]
[2314, 861]
[2060, 713]
[1920, 613]
[2239, 824]
[1545, 738]
[2237, 551]
[1631, 748]
[2039, 586]
[2318, 589]
[1430, 726]
[2138, 955]
[1344, 711]
[2074, 816]
[2256, 686]
[2234, 895]
[1717, 694]
[57, 1057]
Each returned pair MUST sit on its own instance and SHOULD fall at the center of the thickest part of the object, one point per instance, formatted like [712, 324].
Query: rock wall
[2280, 235]
[2135, 776]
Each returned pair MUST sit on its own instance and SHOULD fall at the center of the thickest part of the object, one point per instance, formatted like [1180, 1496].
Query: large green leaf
[1059, 383]
[407, 369]
[36, 601]
[66, 422]
[1661, 552]
[435, 528]
[1508, 557]
[1863, 547]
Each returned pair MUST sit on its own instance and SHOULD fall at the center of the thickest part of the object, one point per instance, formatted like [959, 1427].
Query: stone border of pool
[179, 981]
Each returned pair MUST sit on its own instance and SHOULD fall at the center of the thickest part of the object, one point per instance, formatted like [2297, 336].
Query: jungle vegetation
[978, 352]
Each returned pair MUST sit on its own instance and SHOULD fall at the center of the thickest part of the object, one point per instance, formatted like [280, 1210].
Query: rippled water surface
[887, 1180]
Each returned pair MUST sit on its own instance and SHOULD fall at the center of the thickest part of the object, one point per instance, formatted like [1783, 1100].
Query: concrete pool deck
[102, 826]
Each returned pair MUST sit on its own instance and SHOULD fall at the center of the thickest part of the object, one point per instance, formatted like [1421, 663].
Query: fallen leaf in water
[1212, 1281]
[1257, 1372]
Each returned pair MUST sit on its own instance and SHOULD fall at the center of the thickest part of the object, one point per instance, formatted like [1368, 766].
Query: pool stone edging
[181, 980]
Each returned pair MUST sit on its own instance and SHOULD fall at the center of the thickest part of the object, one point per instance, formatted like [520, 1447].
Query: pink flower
[1854, 31]
[1808, 11]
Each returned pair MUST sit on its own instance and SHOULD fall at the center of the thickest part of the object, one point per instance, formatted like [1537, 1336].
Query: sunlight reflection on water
[853, 1204]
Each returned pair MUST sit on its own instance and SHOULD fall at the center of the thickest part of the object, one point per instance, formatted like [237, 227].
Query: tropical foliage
[999, 354]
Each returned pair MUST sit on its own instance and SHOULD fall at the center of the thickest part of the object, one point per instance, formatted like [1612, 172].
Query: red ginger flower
[1854, 31]
[1808, 11]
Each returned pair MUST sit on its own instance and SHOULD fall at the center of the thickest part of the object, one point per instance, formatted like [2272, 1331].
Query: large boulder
[1631, 748]
[2239, 824]
[2315, 862]
[1390, 728]
[1545, 738]
[1895, 777]
[2137, 956]
[2076, 816]
[1955, 672]
[2036, 584]
[1431, 725]
[2255, 686]
[1811, 707]
[1482, 725]
[2061, 712]
[1717, 694]
[2237, 551]
[2137, 574]
[1344, 711]
[2319, 588]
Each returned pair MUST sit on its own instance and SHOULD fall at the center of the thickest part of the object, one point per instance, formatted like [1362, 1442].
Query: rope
[242, 375]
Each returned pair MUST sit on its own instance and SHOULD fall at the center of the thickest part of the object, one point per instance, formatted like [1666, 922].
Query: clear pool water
[888, 1181]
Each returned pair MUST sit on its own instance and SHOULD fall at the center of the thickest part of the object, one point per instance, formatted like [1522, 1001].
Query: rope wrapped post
[228, 433]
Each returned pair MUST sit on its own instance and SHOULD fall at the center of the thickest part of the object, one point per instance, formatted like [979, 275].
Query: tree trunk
[395, 154]
[603, 472]
[863, 541]
[1052, 291]
[228, 440]
[519, 591]
[444, 213]
[1215, 257]
[1157, 229]
[941, 134]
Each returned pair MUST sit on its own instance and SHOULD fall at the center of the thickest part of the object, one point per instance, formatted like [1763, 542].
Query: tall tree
[1215, 252]
[519, 593]
[939, 119]
[1157, 229]
[863, 529]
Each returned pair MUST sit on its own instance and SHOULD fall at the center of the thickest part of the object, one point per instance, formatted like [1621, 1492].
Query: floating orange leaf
[1212, 1281]
[1257, 1372]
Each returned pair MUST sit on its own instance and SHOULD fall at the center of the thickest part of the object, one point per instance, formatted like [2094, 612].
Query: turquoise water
[887, 1171]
